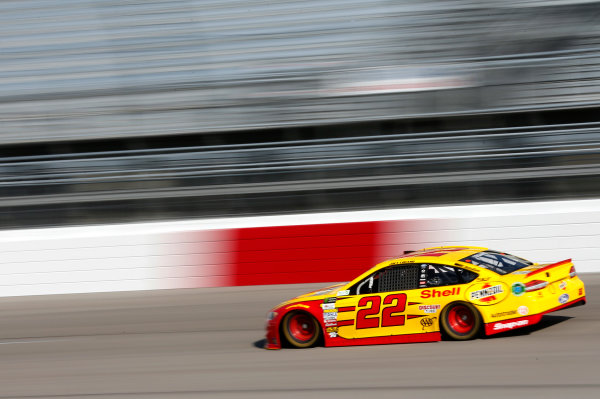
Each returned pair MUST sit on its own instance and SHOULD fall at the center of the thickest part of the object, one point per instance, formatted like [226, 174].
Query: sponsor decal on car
[330, 300]
[518, 289]
[429, 308]
[343, 293]
[427, 322]
[333, 334]
[523, 310]
[328, 306]
[504, 314]
[501, 326]
[563, 285]
[332, 329]
[331, 323]
[435, 293]
[487, 292]
[330, 316]
[399, 262]
[564, 298]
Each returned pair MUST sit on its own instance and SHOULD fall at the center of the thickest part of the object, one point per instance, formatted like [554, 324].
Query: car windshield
[498, 262]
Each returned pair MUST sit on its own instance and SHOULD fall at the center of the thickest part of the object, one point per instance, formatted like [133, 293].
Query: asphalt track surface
[204, 343]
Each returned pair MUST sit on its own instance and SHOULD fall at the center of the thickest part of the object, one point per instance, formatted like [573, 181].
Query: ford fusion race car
[459, 292]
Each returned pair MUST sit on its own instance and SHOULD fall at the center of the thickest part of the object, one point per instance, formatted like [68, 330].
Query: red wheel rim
[461, 319]
[301, 327]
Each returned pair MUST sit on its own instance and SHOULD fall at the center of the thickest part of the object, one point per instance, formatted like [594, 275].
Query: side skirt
[389, 339]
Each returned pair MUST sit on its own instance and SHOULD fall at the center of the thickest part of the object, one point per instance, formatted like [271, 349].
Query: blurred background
[180, 111]
[118, 111]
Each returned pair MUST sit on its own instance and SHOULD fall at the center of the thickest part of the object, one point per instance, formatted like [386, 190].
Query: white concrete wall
[201, 253]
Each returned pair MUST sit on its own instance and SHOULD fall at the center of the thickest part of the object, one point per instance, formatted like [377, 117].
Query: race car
[455, 292]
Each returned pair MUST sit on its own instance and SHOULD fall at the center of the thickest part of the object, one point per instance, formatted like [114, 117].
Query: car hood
[325, 291]
[319, 294]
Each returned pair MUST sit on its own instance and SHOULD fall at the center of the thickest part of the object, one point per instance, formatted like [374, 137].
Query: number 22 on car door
[379, 315]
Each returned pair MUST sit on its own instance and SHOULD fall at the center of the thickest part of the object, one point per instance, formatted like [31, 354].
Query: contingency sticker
[518, 289]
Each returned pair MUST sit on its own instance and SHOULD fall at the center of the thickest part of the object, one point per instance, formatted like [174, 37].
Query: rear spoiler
[550, 266]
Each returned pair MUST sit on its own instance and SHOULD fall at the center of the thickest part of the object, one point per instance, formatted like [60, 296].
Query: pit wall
[305, 248]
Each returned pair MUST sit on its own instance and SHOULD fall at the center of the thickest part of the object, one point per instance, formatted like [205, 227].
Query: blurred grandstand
[128, 110]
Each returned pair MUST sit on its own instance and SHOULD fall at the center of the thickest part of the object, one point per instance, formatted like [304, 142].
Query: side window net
[399, 278]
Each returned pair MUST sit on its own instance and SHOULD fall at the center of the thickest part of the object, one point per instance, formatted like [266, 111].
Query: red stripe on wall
[303, 254]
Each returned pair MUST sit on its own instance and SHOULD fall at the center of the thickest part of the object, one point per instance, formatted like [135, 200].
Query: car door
[400, 299]
[376, 306]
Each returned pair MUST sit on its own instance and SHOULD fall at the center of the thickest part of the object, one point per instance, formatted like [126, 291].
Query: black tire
[301, 329]
[461, 321]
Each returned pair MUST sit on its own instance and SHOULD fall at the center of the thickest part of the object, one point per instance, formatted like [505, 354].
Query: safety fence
[286, 249]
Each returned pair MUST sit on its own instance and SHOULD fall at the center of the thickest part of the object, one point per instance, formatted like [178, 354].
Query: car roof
[448, 254]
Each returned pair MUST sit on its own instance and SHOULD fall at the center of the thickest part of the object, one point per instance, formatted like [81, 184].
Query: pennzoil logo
[427, 322]
[487, 292]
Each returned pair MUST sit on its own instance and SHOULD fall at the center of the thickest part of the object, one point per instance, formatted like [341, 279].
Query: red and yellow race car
[459, 292]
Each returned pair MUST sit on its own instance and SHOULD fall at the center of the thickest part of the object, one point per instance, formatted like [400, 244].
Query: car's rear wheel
[461, 321]
[301, 329]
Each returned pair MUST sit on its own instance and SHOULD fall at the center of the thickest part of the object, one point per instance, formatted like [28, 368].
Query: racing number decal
[367, 318]
[362, 317]
[388, 319]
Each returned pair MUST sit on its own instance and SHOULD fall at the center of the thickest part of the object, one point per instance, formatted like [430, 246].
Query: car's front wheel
[461, 321]
[301, 329]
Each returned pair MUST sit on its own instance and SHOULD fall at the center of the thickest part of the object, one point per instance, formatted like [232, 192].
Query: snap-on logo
[510, 325]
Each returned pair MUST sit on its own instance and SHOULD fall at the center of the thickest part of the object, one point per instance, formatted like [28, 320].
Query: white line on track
[31, 341]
